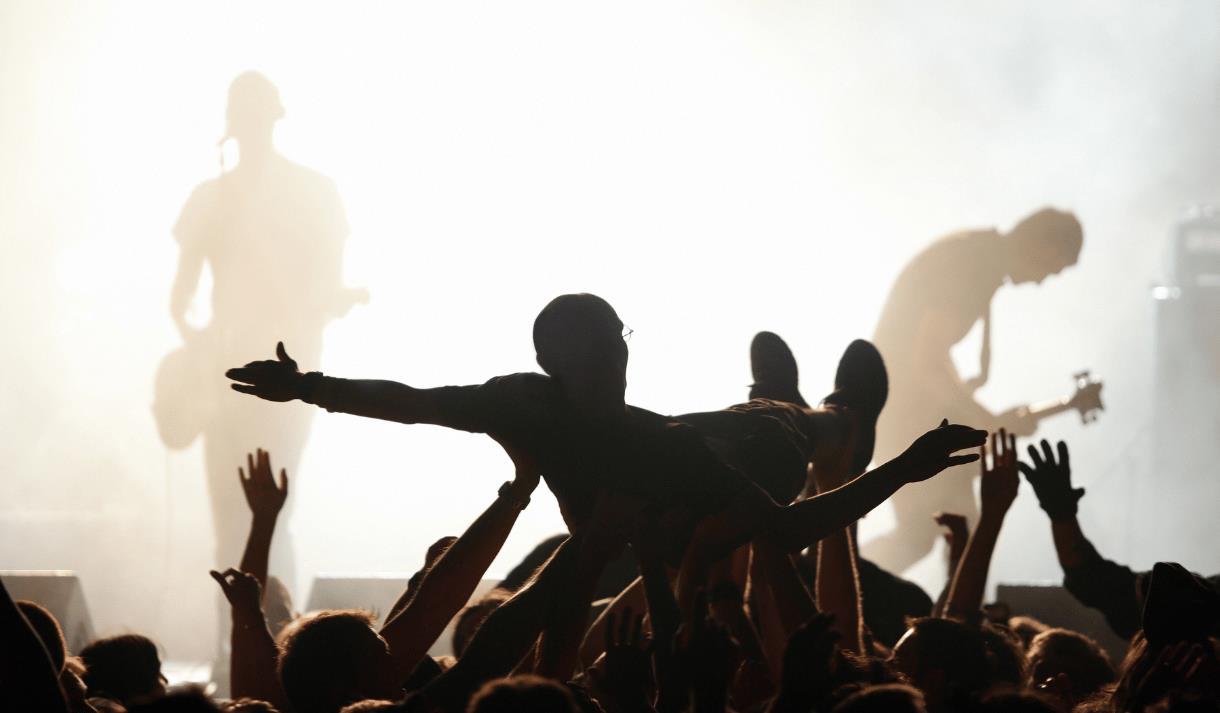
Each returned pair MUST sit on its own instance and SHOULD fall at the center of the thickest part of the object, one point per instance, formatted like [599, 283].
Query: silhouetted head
[579, 341]
[254, 107]
[945, 659]
[47, 628]
[332, 658]
[1057, 651]
[522, 693]
[1016, 702]
[191, 700]
[886, 698]
[248, 705]
[124, 668]
[469, 619]
[1043, 244]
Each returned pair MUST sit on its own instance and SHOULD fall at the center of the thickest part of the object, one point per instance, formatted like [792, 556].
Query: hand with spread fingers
[998, 488]
[1052, 481]
[623, 679]
[264, 496]
[934, 451]
[273, 379]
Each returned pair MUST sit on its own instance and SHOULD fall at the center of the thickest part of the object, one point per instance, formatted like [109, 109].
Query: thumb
[282, 354]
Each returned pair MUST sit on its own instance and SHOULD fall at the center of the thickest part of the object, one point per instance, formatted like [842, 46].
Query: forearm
[954, 560]
[258, 548]
[506, 635]
[794, 604]
[371, 398]
[838, 588]
[1071, 545]
[970, 581]
[449, 583]
[803, 524]
[252, 666]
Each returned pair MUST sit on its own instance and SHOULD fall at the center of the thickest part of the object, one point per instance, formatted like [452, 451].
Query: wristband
[506, 492]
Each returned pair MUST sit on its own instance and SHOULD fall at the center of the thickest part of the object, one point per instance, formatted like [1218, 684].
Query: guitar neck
[1046, 409]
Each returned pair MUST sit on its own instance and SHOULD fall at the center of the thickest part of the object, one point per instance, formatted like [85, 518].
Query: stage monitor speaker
[377, 593]
[1055, 606]
[60, 592]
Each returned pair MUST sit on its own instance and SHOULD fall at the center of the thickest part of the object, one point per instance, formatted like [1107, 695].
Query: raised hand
[957, 529]
[264, 496]
[241, 590]
[934, 451]
[1052, 481]
[624, 681]
[274, 379]
[998, 487]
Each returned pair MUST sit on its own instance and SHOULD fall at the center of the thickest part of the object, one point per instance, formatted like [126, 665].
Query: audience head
[1026, 628]
[47, 628]
[1043, 244]
[471, 618]
[579, 341]
[189, 701]
[1016, 702]
[945, 659]
[886, 698]
[332, 658]
[124, 668]
[1007, 658]
[1057, 651]
[523, 693]
[248, 705]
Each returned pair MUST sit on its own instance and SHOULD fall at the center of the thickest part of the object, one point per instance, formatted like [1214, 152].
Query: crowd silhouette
[711, 562]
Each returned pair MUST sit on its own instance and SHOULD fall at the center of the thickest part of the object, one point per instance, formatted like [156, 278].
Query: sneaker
[862, 386]
[774, 370]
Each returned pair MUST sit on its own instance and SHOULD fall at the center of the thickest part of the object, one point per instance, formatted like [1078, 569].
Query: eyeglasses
[627, 332]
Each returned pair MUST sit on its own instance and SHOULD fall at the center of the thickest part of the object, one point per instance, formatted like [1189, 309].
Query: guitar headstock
[1087, 399]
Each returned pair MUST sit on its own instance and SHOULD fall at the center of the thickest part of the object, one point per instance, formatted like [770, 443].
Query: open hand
[263, 495]
[934, 451]
[240, 589]
[1052, 481]
[624, 680]
[998, 487]
[274, 379]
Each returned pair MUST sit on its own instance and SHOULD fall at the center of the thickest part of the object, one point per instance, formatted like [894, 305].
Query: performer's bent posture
[574, 423]
[935, 302]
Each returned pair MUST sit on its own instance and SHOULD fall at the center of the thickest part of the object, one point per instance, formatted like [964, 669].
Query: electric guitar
[1086, 400]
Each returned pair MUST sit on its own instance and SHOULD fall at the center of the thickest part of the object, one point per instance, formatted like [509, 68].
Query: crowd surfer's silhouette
[573, 422]
[272, 234]
[935, 302]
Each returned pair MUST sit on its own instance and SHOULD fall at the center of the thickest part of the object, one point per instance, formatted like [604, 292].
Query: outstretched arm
[27, 680]
[449, 582]
[1095, 581]
[802, 524]
[265, 499]
[279, 380]
[998, 489]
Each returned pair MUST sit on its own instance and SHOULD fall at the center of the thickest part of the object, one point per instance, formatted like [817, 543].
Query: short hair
[1056, 651]
[1052, 228]
[570, 321]
[1007, 657]
[467, 622]
[248, 705]
[121, 667]
[325, 659]
[522, 693]
[958, 650]
[47, 627]
[886, 698]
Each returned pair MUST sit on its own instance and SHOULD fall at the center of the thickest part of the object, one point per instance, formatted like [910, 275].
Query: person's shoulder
[525, 383]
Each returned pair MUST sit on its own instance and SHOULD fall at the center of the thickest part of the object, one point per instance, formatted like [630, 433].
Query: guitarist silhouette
[272, 233]
[935, 302]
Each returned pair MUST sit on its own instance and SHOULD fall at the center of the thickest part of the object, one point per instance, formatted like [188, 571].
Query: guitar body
[183, 403]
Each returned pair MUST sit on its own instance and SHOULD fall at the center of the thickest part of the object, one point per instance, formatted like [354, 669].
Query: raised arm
[252, 661]
[997, 492]
[265, 498]
[1095, 581]
[957, 534]
[28, 682]
[505, 637]
[449, 582]
[279, 380]
[838, 580]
